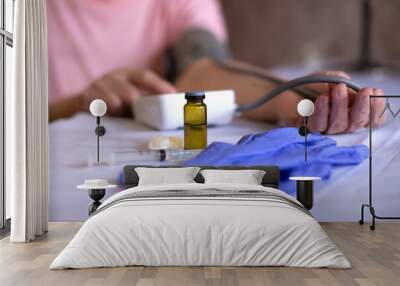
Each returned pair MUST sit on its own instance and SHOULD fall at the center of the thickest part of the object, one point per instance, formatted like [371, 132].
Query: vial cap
[195, 95]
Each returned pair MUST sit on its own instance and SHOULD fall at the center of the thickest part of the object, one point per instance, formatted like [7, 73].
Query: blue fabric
[283, 147]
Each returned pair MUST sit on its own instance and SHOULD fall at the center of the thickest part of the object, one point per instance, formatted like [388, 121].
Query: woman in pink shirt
[116, 50]
[108, 48]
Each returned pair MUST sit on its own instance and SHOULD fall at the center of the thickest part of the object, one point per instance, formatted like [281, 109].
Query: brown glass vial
[195, 121]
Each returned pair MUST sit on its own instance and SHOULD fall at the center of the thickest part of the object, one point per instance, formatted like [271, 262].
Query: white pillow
[248, 177]
[165, 176]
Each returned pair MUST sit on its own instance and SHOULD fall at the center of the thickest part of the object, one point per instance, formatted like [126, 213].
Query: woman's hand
[340, 110]
[120, 88]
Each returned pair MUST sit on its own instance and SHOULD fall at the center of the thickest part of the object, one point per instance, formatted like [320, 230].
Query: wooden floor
[375, 257]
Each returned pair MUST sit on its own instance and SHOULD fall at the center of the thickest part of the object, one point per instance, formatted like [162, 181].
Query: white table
[97, 191]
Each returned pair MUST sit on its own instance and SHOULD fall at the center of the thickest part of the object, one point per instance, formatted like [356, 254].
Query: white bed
[135, 228]
[338, 199]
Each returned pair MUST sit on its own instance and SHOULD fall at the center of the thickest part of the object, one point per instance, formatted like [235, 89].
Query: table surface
[85, 187]
[305, 178]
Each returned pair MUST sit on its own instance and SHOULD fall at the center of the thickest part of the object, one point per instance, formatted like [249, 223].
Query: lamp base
[305, 193]
[96, 195]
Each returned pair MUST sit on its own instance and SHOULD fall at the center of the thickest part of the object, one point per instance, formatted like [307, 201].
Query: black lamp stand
[100, 131]
[96, 195]
[305, 193]
[370, 202]
[303, 131]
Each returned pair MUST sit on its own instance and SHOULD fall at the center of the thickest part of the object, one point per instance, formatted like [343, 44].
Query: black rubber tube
[289, 85]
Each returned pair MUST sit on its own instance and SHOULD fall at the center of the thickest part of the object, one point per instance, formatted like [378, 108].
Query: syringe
[133, 156]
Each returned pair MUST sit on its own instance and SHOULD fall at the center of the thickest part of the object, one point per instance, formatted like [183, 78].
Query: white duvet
[190, 231]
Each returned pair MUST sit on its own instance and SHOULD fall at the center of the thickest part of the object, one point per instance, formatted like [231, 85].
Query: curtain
[27, 124]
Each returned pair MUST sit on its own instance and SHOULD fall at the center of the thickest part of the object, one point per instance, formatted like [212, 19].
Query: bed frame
[270, 179]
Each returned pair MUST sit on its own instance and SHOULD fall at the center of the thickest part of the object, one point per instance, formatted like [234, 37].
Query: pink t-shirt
[88, 38]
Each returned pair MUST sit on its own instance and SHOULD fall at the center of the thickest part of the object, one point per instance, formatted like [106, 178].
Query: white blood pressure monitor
[165, 112]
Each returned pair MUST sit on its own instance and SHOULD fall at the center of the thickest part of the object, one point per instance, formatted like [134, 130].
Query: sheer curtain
[27, 124]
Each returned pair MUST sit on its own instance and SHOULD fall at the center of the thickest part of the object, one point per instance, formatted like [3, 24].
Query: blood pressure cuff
[283, 147]
[193, 45]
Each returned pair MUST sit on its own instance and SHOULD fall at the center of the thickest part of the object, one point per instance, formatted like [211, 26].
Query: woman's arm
[206, 75]
[118, 89]
[337, 109]
[65, 107]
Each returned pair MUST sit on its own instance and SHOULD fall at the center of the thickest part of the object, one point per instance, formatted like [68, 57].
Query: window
[6, 44]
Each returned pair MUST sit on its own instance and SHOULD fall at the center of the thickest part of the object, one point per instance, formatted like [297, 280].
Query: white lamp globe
[305, 108]
[98, 107]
